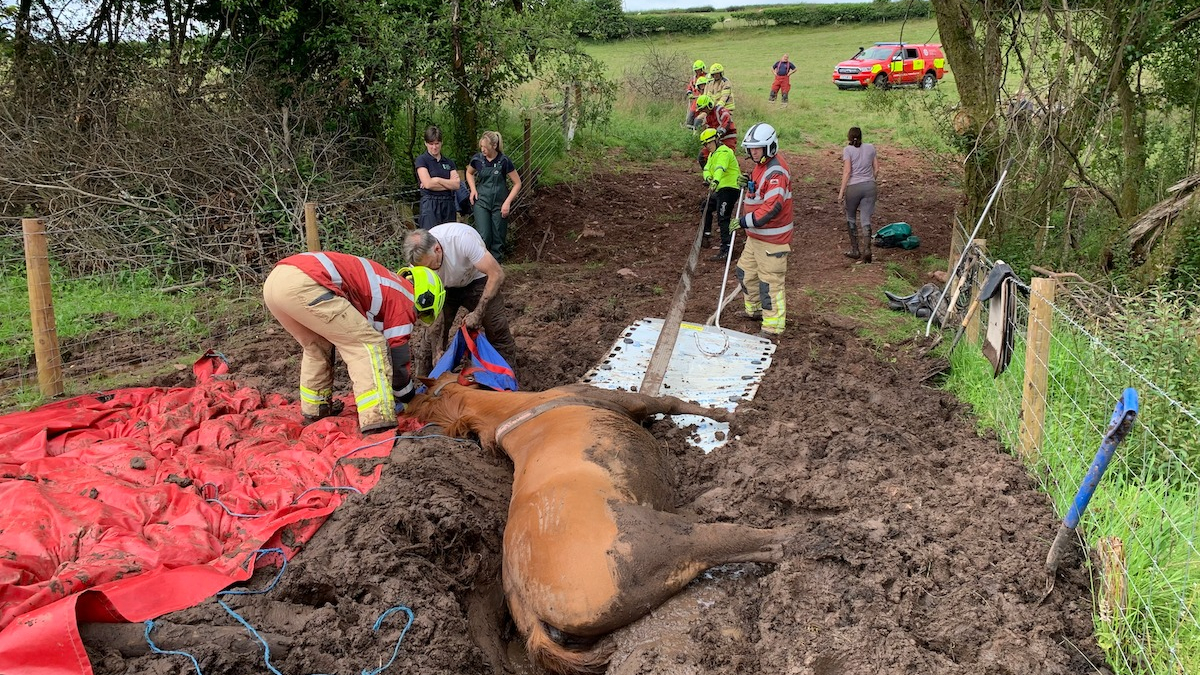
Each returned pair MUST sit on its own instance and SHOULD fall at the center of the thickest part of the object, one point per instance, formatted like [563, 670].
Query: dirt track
[921, 541]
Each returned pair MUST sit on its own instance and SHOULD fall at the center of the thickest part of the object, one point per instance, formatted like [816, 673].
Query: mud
[919, 542]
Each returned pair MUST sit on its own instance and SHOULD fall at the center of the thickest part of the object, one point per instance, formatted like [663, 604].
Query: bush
[824, 15]
[669, 23]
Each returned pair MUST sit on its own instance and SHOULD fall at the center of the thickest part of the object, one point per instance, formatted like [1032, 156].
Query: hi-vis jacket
[721, 119]
[722, 166]
[721, 92]
[768, 208]
[378, 294]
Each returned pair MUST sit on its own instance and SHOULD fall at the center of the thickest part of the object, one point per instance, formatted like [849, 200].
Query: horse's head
[445, 405]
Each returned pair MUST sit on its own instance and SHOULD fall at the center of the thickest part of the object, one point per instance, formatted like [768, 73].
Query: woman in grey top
[860, 171]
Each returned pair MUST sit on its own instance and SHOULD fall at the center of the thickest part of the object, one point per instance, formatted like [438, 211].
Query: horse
[590, 544]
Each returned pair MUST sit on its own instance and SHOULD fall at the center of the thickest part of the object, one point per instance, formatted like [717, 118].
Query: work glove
[712, 184]
[720, 132]
[735, 224]
[401, 407]
[744, 181]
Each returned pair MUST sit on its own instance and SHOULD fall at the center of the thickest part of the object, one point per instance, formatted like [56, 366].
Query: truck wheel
[881, 81]
[929, 81]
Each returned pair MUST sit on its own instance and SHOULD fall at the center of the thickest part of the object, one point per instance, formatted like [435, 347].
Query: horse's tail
[552, 656]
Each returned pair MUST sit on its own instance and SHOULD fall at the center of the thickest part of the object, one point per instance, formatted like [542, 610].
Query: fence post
[956, 245]
[566, 117]
[310, 227]
[972, 331]
[41, 308]
[527, 163]
[1037, 357]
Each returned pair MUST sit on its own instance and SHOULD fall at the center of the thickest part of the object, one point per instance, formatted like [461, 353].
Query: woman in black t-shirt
[439, 180]
[488, 174]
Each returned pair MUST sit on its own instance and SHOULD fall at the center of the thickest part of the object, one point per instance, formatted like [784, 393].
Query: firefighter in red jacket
[717, 117]
[328, 300]
[768, 223]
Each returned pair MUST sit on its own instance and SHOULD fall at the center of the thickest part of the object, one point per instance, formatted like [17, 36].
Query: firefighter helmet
[708, 135]
[704, 102]
[698, 65]
[761, 135]
[716, 68]
[429, 295]
[701, 81]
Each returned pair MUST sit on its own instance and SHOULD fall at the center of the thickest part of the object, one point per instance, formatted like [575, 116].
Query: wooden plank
[661, 357]
[310, 227]
[972, 331]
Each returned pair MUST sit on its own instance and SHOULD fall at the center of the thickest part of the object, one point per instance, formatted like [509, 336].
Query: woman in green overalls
[488, 174]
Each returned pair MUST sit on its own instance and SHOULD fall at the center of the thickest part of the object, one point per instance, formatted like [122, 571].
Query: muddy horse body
[590, 544]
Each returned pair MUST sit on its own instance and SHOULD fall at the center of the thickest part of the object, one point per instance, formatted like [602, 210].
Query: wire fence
[137, 293]
[1139, 532]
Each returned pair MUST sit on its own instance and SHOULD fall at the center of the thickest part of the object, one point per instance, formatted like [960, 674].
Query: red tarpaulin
[110, 506]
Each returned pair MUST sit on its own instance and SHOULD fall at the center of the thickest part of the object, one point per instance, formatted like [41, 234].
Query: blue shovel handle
[1118, 428]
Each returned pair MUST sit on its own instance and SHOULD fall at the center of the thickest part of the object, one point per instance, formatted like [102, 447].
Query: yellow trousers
[762, 270]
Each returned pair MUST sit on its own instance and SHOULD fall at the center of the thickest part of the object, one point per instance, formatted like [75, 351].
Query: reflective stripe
[399, 393]
[772, 231]
[939, 63]
[334, 276]
[876, 68]
[313, 396]
[897, 66]
[392, 284]
[775, 192]
[398, 331]
[919, 64]
[367, 401]
[376, 292]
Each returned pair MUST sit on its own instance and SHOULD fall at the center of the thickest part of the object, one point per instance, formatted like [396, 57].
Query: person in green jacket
[488, 174]
[721, 174]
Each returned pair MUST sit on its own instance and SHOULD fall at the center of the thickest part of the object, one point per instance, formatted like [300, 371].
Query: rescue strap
[522, 417]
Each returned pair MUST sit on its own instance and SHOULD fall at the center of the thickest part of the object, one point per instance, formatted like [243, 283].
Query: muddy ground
[921, 545]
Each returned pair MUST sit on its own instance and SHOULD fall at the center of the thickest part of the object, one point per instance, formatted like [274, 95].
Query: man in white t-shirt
[472, 278]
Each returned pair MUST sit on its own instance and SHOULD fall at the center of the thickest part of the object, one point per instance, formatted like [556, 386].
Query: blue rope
[278, 575]
[221, 504]
[396, 649]
[154, 648]
[247, 626]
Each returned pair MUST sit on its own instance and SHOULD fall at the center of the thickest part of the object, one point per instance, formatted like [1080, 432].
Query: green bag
[910, 243]
[893, 235]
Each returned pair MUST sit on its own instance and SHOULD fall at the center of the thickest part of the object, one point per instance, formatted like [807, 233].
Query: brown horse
[590, 544]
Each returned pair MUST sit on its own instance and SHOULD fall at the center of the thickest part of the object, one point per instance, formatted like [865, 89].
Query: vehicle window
[877, 54]
[910, 53]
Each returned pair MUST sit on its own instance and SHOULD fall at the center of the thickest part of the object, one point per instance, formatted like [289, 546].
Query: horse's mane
[449, 413]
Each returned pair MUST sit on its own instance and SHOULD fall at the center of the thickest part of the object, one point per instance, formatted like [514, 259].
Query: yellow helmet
[704, 102]
[708, 135]
[698, 65]
[429, 295]
[702, 80]
[716, 68]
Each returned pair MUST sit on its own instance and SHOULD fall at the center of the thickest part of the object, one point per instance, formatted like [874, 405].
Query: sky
[643, 5]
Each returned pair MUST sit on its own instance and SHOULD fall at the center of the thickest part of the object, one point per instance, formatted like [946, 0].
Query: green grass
[818, 114]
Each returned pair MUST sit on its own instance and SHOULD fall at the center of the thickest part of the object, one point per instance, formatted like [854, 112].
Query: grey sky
[643, 5]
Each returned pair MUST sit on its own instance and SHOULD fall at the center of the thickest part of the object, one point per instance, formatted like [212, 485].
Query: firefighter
[327, 300]
[719, 118]
[693, 91]
[782, 70]
[762, 267]
[719, 88]
[695, 119]
[721, 174]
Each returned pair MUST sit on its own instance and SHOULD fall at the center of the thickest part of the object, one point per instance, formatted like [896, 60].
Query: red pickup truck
[888, 64]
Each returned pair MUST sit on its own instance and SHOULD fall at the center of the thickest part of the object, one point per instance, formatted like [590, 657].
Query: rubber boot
[866, 249]
[853, 252]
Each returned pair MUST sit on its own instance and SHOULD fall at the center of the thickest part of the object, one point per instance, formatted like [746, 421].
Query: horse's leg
[659, 553]
[641, 406]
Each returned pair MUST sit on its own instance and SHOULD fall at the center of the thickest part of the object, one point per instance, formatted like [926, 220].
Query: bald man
[782, 70]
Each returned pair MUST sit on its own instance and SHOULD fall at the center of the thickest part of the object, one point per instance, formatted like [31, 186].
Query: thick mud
[920, 542]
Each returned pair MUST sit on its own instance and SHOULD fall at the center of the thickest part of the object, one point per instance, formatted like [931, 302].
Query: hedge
[824, 15]
[669, 23]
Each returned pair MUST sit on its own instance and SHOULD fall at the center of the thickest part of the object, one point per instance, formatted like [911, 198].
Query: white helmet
[762, 135]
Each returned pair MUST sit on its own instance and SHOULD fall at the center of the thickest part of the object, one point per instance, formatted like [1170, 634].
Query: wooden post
[527, 164]
[41, 308]
[956, 246]
[1037, 358]
[972, 332]
[310, 227]
[660, 358]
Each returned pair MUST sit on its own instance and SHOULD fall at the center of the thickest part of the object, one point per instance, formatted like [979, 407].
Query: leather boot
[853, 252]
[866, 249]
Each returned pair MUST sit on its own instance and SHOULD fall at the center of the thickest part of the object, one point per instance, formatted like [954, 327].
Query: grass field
[818, 114]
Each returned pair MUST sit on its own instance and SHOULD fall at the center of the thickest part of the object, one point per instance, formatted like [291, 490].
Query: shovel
[1118, 428]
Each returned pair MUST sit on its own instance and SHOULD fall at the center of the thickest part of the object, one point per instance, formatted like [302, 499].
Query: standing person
[438, 179]
[860, 173]
[719, 88]
[328, 300]
[695, 119]
[782, 70]
[472, 278]
[487, 174]
[718, 118]
[762, 268]
[721, 174]
[693, 91]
